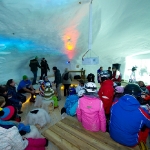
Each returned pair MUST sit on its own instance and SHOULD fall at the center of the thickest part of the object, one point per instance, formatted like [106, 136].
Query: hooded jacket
[71, 100]
[91, 113]
[10, 139]
[106, 93]
[127, 119]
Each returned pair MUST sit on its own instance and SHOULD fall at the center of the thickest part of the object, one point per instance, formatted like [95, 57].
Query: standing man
[57, 81]
[34, 64]
[99, 73]
[110, 72]
[44, 68]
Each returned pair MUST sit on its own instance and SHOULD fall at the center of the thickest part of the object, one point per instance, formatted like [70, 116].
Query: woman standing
[66, 81]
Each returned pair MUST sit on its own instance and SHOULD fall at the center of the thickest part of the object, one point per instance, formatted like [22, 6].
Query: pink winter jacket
[91, 113]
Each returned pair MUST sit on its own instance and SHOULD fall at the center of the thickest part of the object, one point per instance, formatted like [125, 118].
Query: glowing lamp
[69, 46]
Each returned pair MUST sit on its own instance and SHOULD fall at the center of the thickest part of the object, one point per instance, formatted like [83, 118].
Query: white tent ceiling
[44, 28]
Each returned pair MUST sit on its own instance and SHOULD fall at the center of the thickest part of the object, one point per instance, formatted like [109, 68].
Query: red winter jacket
[106, 93]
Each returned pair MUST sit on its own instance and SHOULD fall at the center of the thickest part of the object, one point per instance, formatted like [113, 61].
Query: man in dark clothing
[57, 81]
[44, 68]
[34, 68]
[16, 99]
[110, 72]
[91, 77]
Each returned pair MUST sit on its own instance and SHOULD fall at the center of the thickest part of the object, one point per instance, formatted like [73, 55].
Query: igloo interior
[59, 31]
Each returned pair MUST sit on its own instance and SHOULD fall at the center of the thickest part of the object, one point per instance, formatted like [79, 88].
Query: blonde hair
[2, 100]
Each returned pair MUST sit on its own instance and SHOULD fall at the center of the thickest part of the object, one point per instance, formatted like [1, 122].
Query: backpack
[66, 76]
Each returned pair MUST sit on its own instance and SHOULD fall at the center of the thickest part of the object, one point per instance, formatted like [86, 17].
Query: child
[46, 93]
[80, 86]
[8, 115]
[70, 101]
[46, 80]
[143, 87]
[10, 139]
[90, 110]
[106, 93]
[3, 93]
[118, 93]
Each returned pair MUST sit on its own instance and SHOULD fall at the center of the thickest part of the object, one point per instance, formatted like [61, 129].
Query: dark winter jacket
[58, 79]
[44, 65]
[127, 119]
[110, 74]
[13, 96]
[34, 65]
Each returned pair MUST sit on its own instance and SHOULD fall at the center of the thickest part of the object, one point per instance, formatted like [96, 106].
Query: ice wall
[58, 31]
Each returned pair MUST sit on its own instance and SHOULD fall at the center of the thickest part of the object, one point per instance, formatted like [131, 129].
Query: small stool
[48, 105]
[40, 118]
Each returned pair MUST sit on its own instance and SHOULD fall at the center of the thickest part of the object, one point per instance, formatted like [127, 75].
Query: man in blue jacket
[99, 73]
[129, 122]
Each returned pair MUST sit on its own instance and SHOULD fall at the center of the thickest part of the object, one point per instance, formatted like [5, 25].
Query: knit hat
[7, 113]
[119, 89]
[36, 57]
[25, 77]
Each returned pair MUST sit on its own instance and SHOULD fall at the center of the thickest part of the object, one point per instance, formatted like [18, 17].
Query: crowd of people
[124, 112]
[121, 111]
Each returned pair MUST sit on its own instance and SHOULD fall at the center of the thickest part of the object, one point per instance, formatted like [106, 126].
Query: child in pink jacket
[90, 110]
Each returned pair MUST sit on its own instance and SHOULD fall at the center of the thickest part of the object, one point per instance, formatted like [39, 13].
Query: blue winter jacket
[70, 101]
[127, 119]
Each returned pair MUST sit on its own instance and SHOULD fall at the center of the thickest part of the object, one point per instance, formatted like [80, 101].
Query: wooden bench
[68, 134]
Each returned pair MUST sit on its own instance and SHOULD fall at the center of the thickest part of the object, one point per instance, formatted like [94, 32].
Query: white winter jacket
[10, 139]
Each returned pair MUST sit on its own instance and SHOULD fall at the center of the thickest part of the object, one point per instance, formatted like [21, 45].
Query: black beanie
[54, 68]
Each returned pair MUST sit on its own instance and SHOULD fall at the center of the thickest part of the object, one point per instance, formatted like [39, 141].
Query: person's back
[129, 122]
[90, 110]
[127, 119]
[70, 101]
[34, 65]
[106, 93]
[58, 79]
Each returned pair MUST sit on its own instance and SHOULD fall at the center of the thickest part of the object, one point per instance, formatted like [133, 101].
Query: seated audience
[80, 86]
[46, 80]
[129, 122]
[25, 86]
[118, 93]
[70, 101]
[106, 93]
[10, 139]
[143, 87]
[91, 77]
[3, 93]
[8, 115]
[90, 111]
[16, 99]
